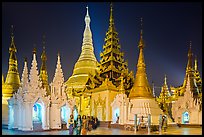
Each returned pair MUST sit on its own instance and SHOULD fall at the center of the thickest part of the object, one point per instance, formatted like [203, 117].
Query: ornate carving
[100, 103]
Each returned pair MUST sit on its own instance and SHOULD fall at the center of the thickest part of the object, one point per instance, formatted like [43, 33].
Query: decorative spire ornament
[190, 55]
[57, 85]
[33, 76]
[58, 77]
[111, 21]
[24, 78]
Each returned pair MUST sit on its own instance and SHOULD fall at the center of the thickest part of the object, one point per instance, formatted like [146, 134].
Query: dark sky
[168, 28]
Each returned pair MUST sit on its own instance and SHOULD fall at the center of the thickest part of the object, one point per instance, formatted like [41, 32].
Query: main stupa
[86, 64]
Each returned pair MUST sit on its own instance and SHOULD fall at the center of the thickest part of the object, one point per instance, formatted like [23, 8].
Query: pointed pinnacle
[141, 31]
[25, 59]
[12, 30]
[87, 10]
[165, 79]
[34, 49]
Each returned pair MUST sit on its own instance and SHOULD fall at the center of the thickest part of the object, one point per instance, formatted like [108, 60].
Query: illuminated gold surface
[112, 63]
[165, 97]
[43, 71]
[12, 81]
[195, 79]
[197, 76]
[141, 86]
[2, 79]
[86, 64]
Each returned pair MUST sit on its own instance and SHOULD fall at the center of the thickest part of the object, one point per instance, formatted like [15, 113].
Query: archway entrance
[116, 115]
[185, 117]
[99, 113]
[75, 113]
[37, 116]
[65, 115]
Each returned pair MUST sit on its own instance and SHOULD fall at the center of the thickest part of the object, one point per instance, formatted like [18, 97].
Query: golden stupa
[86, 64]
[141, 86]
[12, 81]
[141, 97]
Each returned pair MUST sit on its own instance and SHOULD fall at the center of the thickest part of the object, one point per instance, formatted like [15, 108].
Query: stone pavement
[109, 131]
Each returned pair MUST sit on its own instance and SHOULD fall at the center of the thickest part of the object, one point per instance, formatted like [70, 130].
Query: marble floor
[110, 131]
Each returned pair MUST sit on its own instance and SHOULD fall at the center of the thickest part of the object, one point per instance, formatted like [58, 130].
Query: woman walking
[71, 124]
[78, 125]
[84, 125]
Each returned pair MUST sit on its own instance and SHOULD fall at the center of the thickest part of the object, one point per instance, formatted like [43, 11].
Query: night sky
[167, 27]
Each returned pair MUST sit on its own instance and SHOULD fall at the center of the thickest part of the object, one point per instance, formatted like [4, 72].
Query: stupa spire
[141, 42]
[165, 83]
[87, 45]
[190, 55]
[111, 15]
[87, 39]
[43, 69]
[141, 62]
[141, 86]
[13, 75]
[189, 67]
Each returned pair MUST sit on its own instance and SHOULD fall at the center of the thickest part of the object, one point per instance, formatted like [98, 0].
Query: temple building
[32, 107]
[86, 64]
[12, 82]
[187, 108]
[105, 89]
[187, 98]
[112, 74]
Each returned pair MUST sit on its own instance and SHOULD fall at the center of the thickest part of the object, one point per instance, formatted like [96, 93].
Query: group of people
[81, 125]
